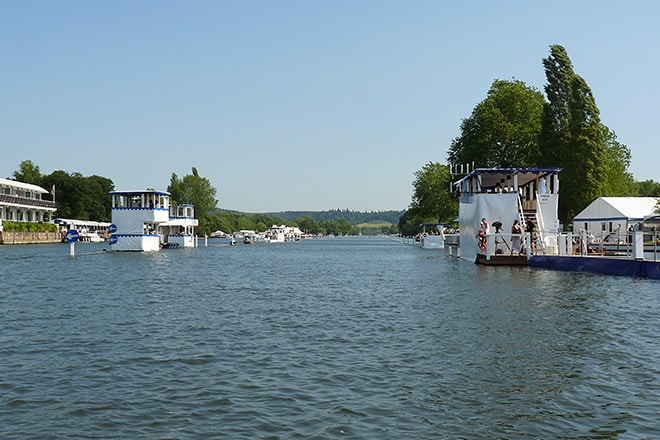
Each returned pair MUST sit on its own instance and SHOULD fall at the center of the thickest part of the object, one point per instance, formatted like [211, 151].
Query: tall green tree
[616, 179]
[196, 190]
[503, 129]
[409, 224]
[80, 197]
[308, 224]
[574, 138]
[432, 199]
[64, 187]
[98, 201]
[648, 188]
[175, 189]
[245, 223]
[28, 172]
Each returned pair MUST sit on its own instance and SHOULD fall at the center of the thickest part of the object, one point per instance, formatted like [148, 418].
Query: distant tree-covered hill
[353, 217]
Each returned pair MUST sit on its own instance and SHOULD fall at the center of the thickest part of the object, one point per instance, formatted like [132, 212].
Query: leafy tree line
[195, 190]
[353, 217]
[87, 198]
[516, 126]
[648, 188]
[77, 196]
[232, 221]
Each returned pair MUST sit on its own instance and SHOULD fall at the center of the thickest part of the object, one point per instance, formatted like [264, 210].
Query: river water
[329, 338]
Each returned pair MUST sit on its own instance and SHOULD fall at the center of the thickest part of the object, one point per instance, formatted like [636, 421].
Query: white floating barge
[531, 196]
[144, 221]
[179, 230]
[502, 196]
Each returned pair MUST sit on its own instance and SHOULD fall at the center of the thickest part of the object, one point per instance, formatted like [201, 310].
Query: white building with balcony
[179, 230]
[24, 202]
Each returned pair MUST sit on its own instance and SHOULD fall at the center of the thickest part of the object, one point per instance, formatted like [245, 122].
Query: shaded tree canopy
[648, 188]
[503, 129]
[80, 197]
[28, 172]
[77, 196]
[408, 224]
[432, 199]
[196, 190]
[515, 126]
[573, 137]
[354, 217]
[230, 221]
[617, 180]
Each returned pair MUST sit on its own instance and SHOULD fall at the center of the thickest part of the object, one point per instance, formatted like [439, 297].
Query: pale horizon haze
[298, 105]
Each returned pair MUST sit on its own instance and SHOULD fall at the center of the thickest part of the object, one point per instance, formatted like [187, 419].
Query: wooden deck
[502, 260]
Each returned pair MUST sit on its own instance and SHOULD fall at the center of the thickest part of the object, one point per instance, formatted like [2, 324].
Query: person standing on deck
[516, 230]
[531, 228]
[483, 230]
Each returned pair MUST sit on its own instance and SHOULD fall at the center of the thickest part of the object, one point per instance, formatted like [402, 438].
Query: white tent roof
[617, 208]
[21, 185]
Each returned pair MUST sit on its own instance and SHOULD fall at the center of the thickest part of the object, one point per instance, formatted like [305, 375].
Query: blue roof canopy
[139, 192]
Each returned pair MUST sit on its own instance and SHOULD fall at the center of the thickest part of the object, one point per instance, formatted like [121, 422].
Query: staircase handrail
[540, 225]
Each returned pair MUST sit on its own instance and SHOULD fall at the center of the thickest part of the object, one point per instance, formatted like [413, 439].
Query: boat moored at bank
[433, 236]
[282, 233]
[88, 230]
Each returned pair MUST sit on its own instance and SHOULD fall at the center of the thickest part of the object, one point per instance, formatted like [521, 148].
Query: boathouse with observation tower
[136, 219]
[503, 196]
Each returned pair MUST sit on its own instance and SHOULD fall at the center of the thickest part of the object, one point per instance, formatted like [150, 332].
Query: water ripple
[358, 338]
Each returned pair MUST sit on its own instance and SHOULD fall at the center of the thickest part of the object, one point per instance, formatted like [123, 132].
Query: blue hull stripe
[600, 265]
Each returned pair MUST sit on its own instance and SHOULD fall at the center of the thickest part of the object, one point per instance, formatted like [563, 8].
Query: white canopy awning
[617, 209]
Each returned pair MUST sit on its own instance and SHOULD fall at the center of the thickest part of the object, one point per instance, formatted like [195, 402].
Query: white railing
[501, 243]
[637, 244]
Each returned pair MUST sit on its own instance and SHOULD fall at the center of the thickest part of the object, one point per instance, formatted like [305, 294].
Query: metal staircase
[538, 221]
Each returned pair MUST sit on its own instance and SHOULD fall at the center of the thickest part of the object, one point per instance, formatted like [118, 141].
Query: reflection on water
[361, 337]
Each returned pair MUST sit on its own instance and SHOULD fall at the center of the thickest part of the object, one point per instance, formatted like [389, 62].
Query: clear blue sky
[298, 105]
